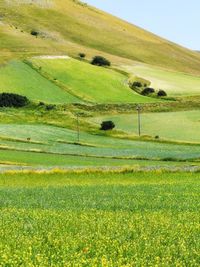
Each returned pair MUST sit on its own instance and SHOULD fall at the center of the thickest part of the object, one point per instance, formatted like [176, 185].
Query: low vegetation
[147, 214]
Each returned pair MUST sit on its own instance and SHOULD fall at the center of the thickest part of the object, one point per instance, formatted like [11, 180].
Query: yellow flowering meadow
[140, 221]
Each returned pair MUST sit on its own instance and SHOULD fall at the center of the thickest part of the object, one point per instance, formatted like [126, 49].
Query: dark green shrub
[107, 125]
[100, 61]
[34, 33]
[161, 93]
[41, 103]
[82, 55]
[137, 84]
[13, 100]
[50, 107]
[148, 91]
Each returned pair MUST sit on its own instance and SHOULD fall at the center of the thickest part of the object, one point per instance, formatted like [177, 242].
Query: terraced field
[43, 140]
[90, 83]
[183, 126]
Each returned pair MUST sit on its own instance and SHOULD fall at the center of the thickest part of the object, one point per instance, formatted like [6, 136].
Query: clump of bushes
[13, 100]
[107, 125]
[100, 61]
[137, 84]
[147, 91]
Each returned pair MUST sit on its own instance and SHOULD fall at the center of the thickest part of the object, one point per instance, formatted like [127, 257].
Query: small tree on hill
[107, 125]
[34, 33]
[100, 61]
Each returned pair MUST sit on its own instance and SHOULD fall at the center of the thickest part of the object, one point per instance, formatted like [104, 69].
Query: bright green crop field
[180, 126]
[174, 83]
[99, 219]
[90, 83]
[18, 77]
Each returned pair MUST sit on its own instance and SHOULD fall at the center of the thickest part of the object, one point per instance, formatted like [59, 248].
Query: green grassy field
[18, 77]
[90, 83]
[57, 140]
[179, 126]
[20, 160]
[130, 219]
[174, 83]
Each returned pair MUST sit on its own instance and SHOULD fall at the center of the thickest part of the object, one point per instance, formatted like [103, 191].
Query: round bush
[107, 125]
[82, 55]
[148, 91]
[161, 93]
[34, 33]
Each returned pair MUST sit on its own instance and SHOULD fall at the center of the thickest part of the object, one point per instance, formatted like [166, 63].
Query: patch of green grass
[90, 83]
[17, 77]
[174, 83]
[178, 126]
[12, 159]
[100, 219]
[57, 140]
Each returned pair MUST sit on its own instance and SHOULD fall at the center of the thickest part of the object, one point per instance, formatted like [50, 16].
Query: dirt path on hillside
[52, 57]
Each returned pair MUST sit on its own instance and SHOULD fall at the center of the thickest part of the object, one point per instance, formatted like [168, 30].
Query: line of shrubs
[146, 91]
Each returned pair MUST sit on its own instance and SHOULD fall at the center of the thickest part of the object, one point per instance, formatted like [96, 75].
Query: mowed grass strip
[18, 77]
[91, 83]
[100, 219]
[41, 161]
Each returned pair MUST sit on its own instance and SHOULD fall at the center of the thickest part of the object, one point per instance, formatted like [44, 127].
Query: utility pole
[139, 108]
[78, 129]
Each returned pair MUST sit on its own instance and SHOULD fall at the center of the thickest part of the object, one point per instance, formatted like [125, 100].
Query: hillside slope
[70, 26]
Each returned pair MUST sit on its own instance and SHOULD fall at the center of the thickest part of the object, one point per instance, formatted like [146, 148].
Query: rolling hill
[87, 29]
